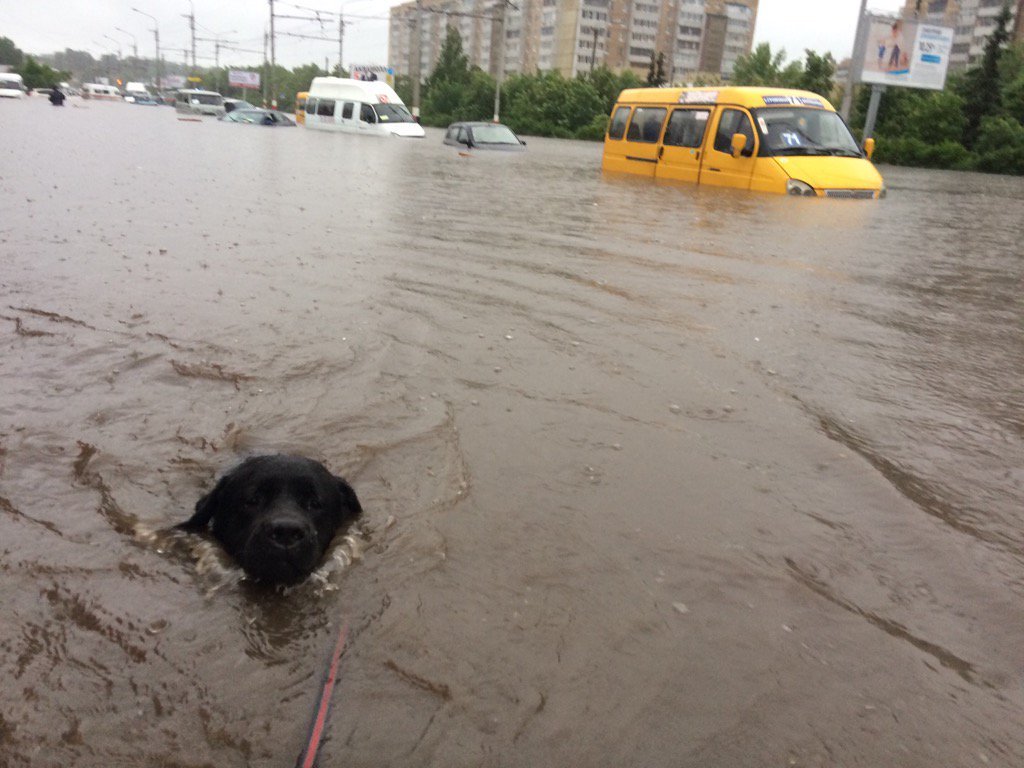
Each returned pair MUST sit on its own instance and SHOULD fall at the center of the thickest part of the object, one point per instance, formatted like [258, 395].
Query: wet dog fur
[276, 515]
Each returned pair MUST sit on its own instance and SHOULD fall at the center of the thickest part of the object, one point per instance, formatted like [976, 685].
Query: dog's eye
[313, 503]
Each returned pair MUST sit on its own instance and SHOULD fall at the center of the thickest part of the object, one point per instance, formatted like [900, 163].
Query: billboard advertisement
[904, 52]
[241, 78]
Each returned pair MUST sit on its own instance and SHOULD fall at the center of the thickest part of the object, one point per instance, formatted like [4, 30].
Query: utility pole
[856, 60]
[191, 16]
[500, 75]
[135, 42]
[416, 47]
[273, 60]
[341, 41]
[156, 35]
[593, 51]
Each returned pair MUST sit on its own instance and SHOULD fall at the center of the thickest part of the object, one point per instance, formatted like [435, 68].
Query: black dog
[276, 515]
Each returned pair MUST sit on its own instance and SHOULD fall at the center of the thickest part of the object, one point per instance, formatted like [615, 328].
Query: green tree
[10, 53]
[37, 75]
[1000, 145]
[610, 84]
[656, 76]
[817, 73]
[764, 68]
[983, 92]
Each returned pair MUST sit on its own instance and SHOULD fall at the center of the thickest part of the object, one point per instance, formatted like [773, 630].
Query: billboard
[904, 52]
[372, 72]
[243, 79]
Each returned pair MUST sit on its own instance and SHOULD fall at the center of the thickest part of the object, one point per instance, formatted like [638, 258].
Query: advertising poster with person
[904, 52]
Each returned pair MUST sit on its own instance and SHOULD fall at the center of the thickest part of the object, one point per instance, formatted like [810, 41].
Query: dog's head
[276, 515]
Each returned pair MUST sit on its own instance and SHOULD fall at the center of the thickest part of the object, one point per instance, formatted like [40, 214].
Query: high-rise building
[972, 22]
[574, 36]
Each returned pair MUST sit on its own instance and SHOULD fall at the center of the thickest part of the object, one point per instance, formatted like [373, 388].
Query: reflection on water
[571, 404]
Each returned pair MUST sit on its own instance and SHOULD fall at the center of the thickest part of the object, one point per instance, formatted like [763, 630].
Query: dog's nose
[286, 533]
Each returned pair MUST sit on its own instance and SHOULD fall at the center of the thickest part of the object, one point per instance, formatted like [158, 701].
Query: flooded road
[653, 476]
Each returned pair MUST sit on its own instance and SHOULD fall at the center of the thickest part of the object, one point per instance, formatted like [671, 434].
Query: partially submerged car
[258, 117]
[483, 135]
[230, 105]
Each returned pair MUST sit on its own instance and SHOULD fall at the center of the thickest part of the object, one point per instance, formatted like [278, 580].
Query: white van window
[310, 106]
[366, 114]
[325, 108]
[346, 111]
[394, 113]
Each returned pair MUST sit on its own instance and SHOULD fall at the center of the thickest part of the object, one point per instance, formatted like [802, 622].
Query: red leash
[307, 759]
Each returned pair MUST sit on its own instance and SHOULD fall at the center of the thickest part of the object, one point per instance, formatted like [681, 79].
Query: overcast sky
[44, 26]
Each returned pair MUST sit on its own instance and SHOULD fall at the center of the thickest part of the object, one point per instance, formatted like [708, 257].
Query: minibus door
[719, 168]
[681, 150]
[643, 140]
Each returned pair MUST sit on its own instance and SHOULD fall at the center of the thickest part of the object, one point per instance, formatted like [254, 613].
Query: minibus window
[646, 124]
[346, 111]
[325, 108]
[366, 114]
[734, 121]
[311, 106]
[618, 126]
[686, 127]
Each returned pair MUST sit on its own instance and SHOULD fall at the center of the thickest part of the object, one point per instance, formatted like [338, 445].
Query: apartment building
[574, 36]
[972, 22]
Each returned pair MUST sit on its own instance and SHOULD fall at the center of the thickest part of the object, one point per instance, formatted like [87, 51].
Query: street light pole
[273, 60]
[417, 54]
[156, 35]
[117, 43]
[135, 42]
[191, 16]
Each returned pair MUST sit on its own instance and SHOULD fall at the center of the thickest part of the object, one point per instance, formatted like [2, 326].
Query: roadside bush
[1000, 146]
[910, 150]
[593, 131]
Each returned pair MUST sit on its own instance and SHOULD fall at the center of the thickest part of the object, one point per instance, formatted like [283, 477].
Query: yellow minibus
[764, 139]
[300, 107]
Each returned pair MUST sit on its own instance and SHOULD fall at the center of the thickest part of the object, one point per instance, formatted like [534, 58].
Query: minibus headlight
[794, 187]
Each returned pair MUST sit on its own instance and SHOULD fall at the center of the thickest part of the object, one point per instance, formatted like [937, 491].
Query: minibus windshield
[804, 131]
[393, 113]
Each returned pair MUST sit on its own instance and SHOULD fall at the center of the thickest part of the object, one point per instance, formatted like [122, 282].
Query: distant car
[483, 136]
[258, 117]
[230, 105]
[144, 99]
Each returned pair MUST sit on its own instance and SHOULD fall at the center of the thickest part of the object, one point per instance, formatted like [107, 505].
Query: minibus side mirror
[869, 147]
[738, 143]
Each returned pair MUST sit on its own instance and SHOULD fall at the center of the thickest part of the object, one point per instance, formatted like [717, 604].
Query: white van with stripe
[371, 108]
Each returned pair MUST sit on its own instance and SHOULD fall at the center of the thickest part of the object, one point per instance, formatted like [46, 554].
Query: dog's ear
[205, 508]
[351, 508]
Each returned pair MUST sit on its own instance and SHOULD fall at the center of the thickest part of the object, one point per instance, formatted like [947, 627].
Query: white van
[358, 106]
[192, 101]
[11, 86]
[100, 92]
[131, 90]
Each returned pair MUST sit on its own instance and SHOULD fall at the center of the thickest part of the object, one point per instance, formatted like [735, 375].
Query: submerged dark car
[258, 117]
[483, 136]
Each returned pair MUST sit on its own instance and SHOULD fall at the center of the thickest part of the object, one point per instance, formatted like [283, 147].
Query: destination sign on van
[698, 97]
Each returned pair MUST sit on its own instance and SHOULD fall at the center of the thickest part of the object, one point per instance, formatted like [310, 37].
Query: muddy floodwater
[652, 475]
